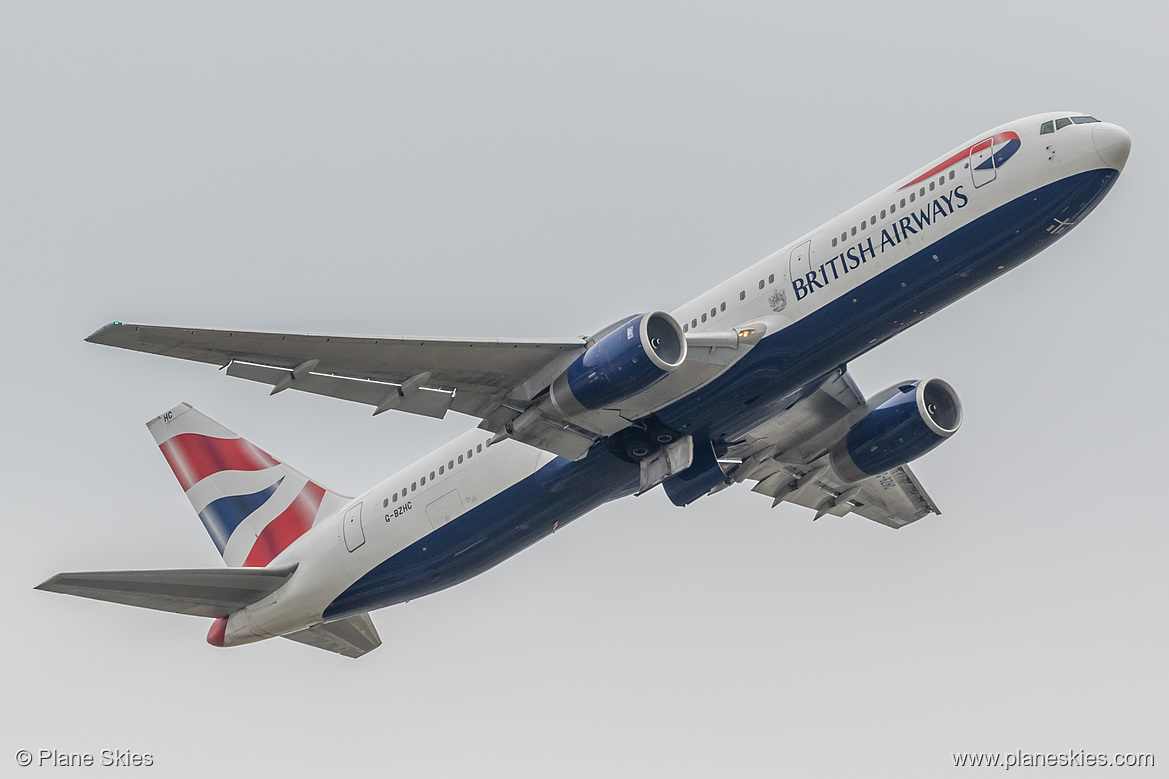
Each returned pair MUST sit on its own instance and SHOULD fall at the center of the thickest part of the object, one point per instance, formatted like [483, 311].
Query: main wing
[788, 459]
[428, 376]
[503, 382]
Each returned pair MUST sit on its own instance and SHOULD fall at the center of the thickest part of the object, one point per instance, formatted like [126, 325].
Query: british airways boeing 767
[745, 383]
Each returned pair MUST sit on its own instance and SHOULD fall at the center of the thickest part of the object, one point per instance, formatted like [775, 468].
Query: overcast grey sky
[541, 169]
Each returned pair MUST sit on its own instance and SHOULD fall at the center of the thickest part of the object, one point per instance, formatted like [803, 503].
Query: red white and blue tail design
[252, 505]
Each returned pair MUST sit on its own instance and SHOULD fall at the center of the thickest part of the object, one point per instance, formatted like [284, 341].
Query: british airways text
[891, 235]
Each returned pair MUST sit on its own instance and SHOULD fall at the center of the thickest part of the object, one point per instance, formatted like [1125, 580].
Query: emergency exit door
[351, 528]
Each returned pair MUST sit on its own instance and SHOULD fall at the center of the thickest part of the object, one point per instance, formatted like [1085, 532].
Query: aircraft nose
[1112, 144]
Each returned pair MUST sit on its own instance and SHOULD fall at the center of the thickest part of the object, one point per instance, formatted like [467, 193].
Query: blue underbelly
[488, 534]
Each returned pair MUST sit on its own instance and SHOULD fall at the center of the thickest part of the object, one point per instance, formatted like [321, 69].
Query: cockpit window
[1059, 124]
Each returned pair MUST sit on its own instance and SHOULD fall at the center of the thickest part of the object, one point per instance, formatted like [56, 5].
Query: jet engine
[625, 361]
[912, 420]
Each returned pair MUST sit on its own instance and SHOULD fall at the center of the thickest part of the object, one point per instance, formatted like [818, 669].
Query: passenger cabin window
[722, 306]
[771, 279]
[395, 497]
[743, 295]
[479, 448]
[704, 316]
[386, 502]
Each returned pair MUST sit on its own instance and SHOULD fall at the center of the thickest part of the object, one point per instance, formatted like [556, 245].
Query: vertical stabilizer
[252, 504]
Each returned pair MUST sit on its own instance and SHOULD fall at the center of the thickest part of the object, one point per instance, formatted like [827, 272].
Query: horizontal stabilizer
[202, 592]
[351, 637]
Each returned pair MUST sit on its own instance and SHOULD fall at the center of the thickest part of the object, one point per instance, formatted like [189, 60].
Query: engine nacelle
[624, 362]
[918, 416]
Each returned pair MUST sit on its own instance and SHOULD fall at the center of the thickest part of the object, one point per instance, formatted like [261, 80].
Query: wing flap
[894, 499]
[548, 433]
[202, 592]
[351, 637]
[422, 400]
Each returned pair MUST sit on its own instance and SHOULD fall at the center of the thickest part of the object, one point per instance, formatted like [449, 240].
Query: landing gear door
[982, 162]
[351, 528]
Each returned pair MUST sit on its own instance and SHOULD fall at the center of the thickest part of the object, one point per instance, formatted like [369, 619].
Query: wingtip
[47, 584]
[96, 336]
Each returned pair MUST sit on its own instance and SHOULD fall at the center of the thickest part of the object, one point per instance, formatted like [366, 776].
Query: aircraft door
[801, 261]
[982, 162]
[351, 528]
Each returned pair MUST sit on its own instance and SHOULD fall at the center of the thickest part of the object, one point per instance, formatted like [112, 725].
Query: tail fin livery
[252, 504]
